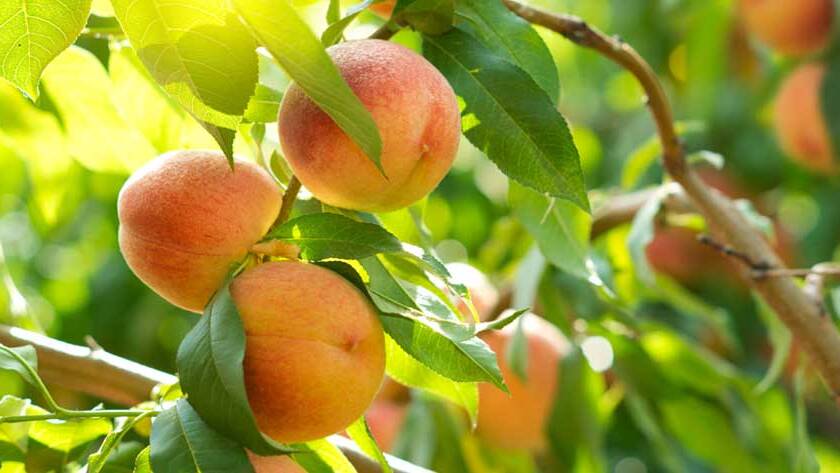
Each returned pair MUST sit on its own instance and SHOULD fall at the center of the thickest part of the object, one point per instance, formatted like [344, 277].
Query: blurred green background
[61, 169]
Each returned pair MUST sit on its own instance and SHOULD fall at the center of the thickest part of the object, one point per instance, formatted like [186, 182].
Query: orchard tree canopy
[480, 236]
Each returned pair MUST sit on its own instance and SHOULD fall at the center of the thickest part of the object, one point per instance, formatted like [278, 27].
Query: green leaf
[123, 458]
[98, 460]
[14, 433]
[335, 30]
[804, 460]
[182, 443]
[279, 28]
[143, 462]
[512, 38]
[449, 348]
[726, 453]
[509, 117]
[322, 456]
[574, 430]
[646, 421]
[516, 354]
[66, 436]
[145, 105]
[16, 358]
[328, 235]
[444, 350]
[408, 371]
[200, 53]
[426, 16]
[264, 105]
[211, 374]
[642, 234]
[360, 433]
[560, 228]
[780, 339]
[830, 97]
[97, 135]
[33, 33]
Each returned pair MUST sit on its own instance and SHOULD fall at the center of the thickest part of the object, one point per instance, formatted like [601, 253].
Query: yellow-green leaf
[33, 33]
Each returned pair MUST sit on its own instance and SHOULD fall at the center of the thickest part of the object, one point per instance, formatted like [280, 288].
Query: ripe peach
[385, 420]
[186, 217]
[384, 9]
[482, 292]
[790, 27]
[518, 421]
[418, 119]
[315, 351]
[799, 120]
[275, 464]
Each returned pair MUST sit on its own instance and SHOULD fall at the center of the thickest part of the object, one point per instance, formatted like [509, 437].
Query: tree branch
[121, 381]
[818, 335]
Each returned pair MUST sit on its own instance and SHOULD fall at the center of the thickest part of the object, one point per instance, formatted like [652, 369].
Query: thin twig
[758, 267]
[818, 335]
[289, 198]
[385, 32]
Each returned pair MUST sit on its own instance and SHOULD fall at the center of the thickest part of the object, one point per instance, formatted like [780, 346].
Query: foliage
[668, 372]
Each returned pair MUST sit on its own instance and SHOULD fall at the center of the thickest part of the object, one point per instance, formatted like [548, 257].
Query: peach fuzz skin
[799, 120]
[793, 27]
[186, 217]
[517, 422]
[275, 464]
[417, 115]
[315, 352]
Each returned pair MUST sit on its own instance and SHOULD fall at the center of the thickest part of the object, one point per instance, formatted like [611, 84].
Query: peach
[790, 27]
[518, 421]
[385, 420]
[799, 120]
[415, 111]
[275, 464]
[186, 217]
[315, 350]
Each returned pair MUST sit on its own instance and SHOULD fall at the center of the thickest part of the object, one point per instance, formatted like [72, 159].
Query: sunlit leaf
[408, 371]
[66, 436]
[279, 28]
[16, 358]
[328, 235]
[33, 33]
[15, 434]
[97, 135]
[360, 433]
[147, 107]
[322, 456]
[200, 53]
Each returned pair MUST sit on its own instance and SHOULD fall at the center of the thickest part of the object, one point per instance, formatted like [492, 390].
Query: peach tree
[279, 181]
